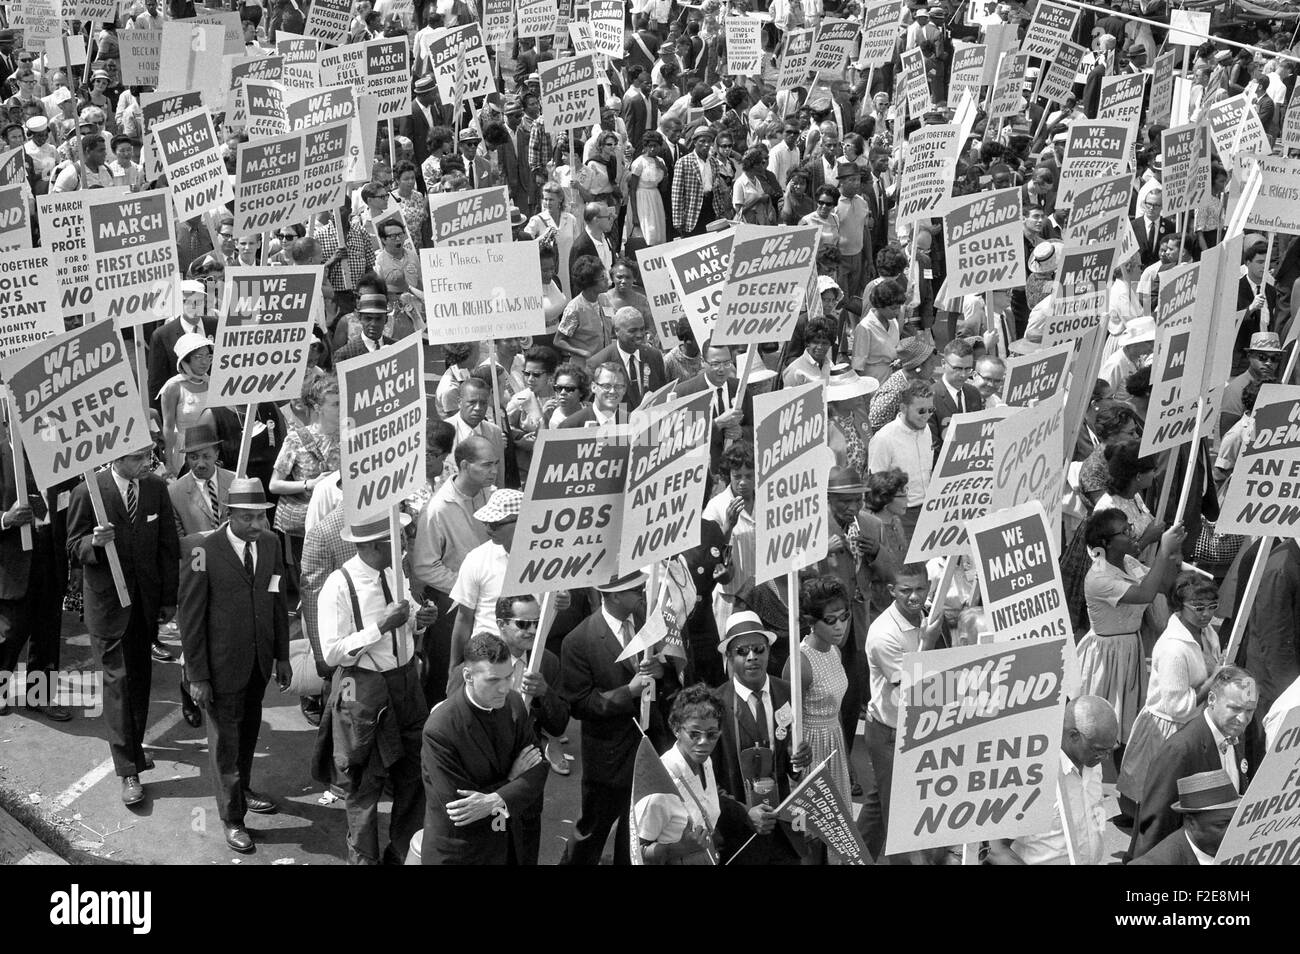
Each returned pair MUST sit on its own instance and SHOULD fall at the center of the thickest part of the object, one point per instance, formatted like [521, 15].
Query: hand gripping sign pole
[395, 540]
[110, 548]
[796, 658]
[246, 440]
[539, 641]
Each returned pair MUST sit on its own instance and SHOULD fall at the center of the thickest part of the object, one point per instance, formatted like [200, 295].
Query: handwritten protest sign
[699, 267]
[1028, 448]
[764, 290]
[133, 257]
[445, 47]
[880, 33]
[141, 51]
[1265, 829]
[1178, 364]
[833, 44]
[569, 524]
[187, 147]
[329, 20]
[38, 20]
[791, 468]
[985, 249]
[190, 58]
[1277, 208]
[75, 402]
[264, 333]
[1161, 106]
[967, 71]
[665, 304]
[1263, 497]
[1093, 150]
[569, 94]
[744, 46]
[15, 230]
[29, 300]
[301, 62]
[1186, 177]
[931, 164]
[476, 216]
[1082, 293]
[1057, 80]
[606, 17]
[959, 488]
[536, 18]
[1052, 25]
[667, 471]
[978, 746]
[474, 292]
[64, 235]
[1033, 377]
[381, 437]
[1236, 129]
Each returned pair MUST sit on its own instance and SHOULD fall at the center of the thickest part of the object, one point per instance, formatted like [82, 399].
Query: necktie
[130, 500]
[248, 558]
[961, 401]
[213, 504]
[760, 717]
[627, 632]
[633, 377]
[720, 403]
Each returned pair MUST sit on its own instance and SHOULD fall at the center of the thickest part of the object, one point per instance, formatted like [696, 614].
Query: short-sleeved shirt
[479, 582]
[1104, 587]
[1094, 475]
[889, 638]
[583, 325]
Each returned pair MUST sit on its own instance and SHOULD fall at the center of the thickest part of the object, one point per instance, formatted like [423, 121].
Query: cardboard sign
[445, 47]
[232, 32]
[1019, 573]
[959, 488]
[977, 755]
[606, 18]
[301, 62]
[65, 53]
[764, 290]
[791, 467]
[190, 58]
[699, 268]
[99, 11]
[38, 20]
[1277, 208]
[744, 46]
[388, 75]
[928, 172]
[666, 307]
[196, 174]
[1216, 309]
[1000, 38]
[1057, 80]
[1161, 107]
[381, 436]
[1188, 28]
[64, 234]
[967, 71]
[1007, 98]
[263, 105]
[985, 248]
[1028, 448]
[141, 51]
[133, 257]
[1099, 200]
[795, 59]
[29, 300]
[268, 181]
[472, 217]
[240, 69]
[1291, 128]
[1186, 177]
[474, 292]
[264, 332]
[1265, 829]
[331, 105]
[1094, 150]
[1178, 364]
[1033, 377]
[326, 151]
[536, 18]
[569, 94]
[668, 469]
[879, 33]
[915, 87]
[1052, 25]
[156, 108]
[15, 229]
[833, 44]
[1236, 130]
[75, 402]
[570, 522]
[1122, 97]
[329, 20]
[1082, 294]
[1263, 497]
[498, 22]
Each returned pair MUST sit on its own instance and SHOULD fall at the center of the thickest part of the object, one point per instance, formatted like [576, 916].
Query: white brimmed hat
[1138, 330]
[744, 623]
[621, 584]
[187, 344]
[371, 530]
[845, 384]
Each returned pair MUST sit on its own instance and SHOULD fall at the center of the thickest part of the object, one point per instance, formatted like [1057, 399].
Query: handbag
[1214, 550]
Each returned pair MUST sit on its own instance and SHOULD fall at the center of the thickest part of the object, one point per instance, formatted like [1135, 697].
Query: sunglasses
[711, 736]
[566, 388]
[527, 625]
[836, 618]
[826, 204]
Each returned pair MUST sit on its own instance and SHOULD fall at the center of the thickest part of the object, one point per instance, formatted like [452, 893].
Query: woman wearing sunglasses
[529, 409]
[571, 393]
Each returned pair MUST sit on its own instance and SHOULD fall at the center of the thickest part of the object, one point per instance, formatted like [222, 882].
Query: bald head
[1090, 731]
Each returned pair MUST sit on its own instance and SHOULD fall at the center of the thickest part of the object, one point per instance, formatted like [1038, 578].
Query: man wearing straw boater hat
[376, 710]
[1207, 802]
[234, 624]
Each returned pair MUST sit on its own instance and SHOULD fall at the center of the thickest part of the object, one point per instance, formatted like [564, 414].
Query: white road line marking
[105, 768]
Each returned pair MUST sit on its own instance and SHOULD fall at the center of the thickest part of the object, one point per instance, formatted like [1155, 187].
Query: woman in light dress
[554, 226]
[184, 397]
[646, 208]
[824, 606]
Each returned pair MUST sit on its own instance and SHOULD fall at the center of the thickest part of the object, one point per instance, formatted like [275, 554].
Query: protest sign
[232, 31]
[569, 524]
[326, 108]
[699, 267]
[65, 52]
[791, 469]
[268, 180]
[967, 70]
[1093, 150]
[1216, 309]
[668, 468]
[1236, 129]
[1006, 100]
[764, 290]
[977, 755]
[190, 58]
[999, 38]
[1019, 573]
[476, 216]
[744, 46]
[15, 230]
[1052, 25]
[381, 433]
[1188, 28]
[1263, 497]
[879, 33]
[196, 173]
[325, 154]
[1186, 176]
[445, 47]
[1032, 377]
[133, 257]
[388, 75]
[38, 20]
[536, 18]
[29, 300]
[99, 11]
[1178, 363]
[569, 94]
[1265, 828]
[498, 21]
[1291, 129]
[1057, 79]
[959, 486]
[1160, 109]
[796, 58]
[263, 106]
[606, 18]
[1099, 200]
[301, 62]
[666, 307]
[474, 292]
[63, 233]
[263, 334]
[329, 20]
[75, 402]
[817, 807]
[915, 87]
[155, 108]
[141, 51]
[1028, 448]
[1277, 208]
[985, 248]
[832, 46]
[928, 172]
[1122, 99]
[1082, 293]
[240, 69]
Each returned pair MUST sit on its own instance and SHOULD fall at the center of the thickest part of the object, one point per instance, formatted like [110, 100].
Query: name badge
[274, 585]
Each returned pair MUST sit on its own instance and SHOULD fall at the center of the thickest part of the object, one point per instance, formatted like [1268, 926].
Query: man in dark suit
[636, 106]
[598, 219]
[141, 526]
[605, 696]
[1212, 740]
[1206, 802]
[1272, 640]
[753, 762]
[372, 312]
[196, 318]
[514, 157]
[234, 623]
[1150, 228]
[955, 395]
[609, 384]
[644, 365]
[518, 618]
[730, 423]
[198, 496]
[1257, 299]
[878, 196]
[424, 116]
[481, 766]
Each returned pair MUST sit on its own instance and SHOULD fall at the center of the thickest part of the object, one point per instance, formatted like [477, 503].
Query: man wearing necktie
[141, 525]
[234, 624]
[197, 496]
[644, 366]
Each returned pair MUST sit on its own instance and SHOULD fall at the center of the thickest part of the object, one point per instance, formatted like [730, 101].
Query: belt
[1109, 635]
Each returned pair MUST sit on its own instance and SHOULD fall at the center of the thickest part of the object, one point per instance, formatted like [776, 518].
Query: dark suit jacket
[456, 753]
[190, 505]
[1272, 640]
[945, 408]
[717, 440]
[162, 359]
[583, 245]
[1250, 323]
[650, 363]
[596, 688]
[147, 548]
[356, 348]
[582, 418]
[879, 213]
[550, 714]
[1189, 750]
[636, 117]
[1172, 850]
[232, 627]
[1149, 243]
[15, 562]
[1267, 111]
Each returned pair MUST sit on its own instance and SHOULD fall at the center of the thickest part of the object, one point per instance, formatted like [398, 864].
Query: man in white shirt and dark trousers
[376, 710]
[906, 443]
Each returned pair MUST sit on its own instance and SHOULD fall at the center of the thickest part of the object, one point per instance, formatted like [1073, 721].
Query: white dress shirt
[1079, 792]
[1228, 756]
[342, 644]
[746, 695]
[238, 546]
[897, 445]
[122, 483]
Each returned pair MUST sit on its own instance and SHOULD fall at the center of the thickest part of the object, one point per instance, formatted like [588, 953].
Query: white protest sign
[63, 220]
[1032, 377]
[190, 58]
[1178, 364]
[187, 147]
[536, 18]
[833, 45]
[140, 51]
[1082, 293]
[268, 181]
[1122, 98]
[764, 290]
[475, 292]
[744, 46]
[1006, 99]
[133, 257]
[915, 87]
[699, 267]
[1028, 449]
[29, 300]
[1236, 129]
[569, 94]
[665, 304]
[985, 248]
[443, 51]
[879, 33]
[475, 216]
[928, 172]
[332, 105]
[263, 106]
[1265, 828]
[606, 18]
[1057, 79]
[1263, 497]
[967, 71]
[1186, 175]
[1277, 208]
[301, 62]
[1161, 107]
[1019, 573]
[232, 31]
[1093, 150]
[795, 58]
[329, 20]
[498, 21]
[1052, 25]
[240, 69]
[1291, 128]
[15, 230]
[1188, 28]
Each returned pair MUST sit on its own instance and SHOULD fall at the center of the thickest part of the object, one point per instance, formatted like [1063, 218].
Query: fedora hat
[1205, 792]
[246, 493]
[371, 530]
[1138, 330]
[372, 304]
[621, 584]
[744, 623]
[199, 436]
[845, 480]
[846, 384]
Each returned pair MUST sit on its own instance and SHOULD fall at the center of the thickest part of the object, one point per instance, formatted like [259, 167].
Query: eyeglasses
[996, 382]
[711, 736]
[566, 388]
[1203, 607]
[719, 365]
[758, 649]
[527, 625]
[923, 411]
[612, 387]
[837, 618]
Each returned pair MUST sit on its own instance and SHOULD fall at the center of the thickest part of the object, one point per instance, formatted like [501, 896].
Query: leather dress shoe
[190, 709]
[160, 652]
[259, 804]
[132, 790]
[238, 838]
[148, 764]
[53, 713]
